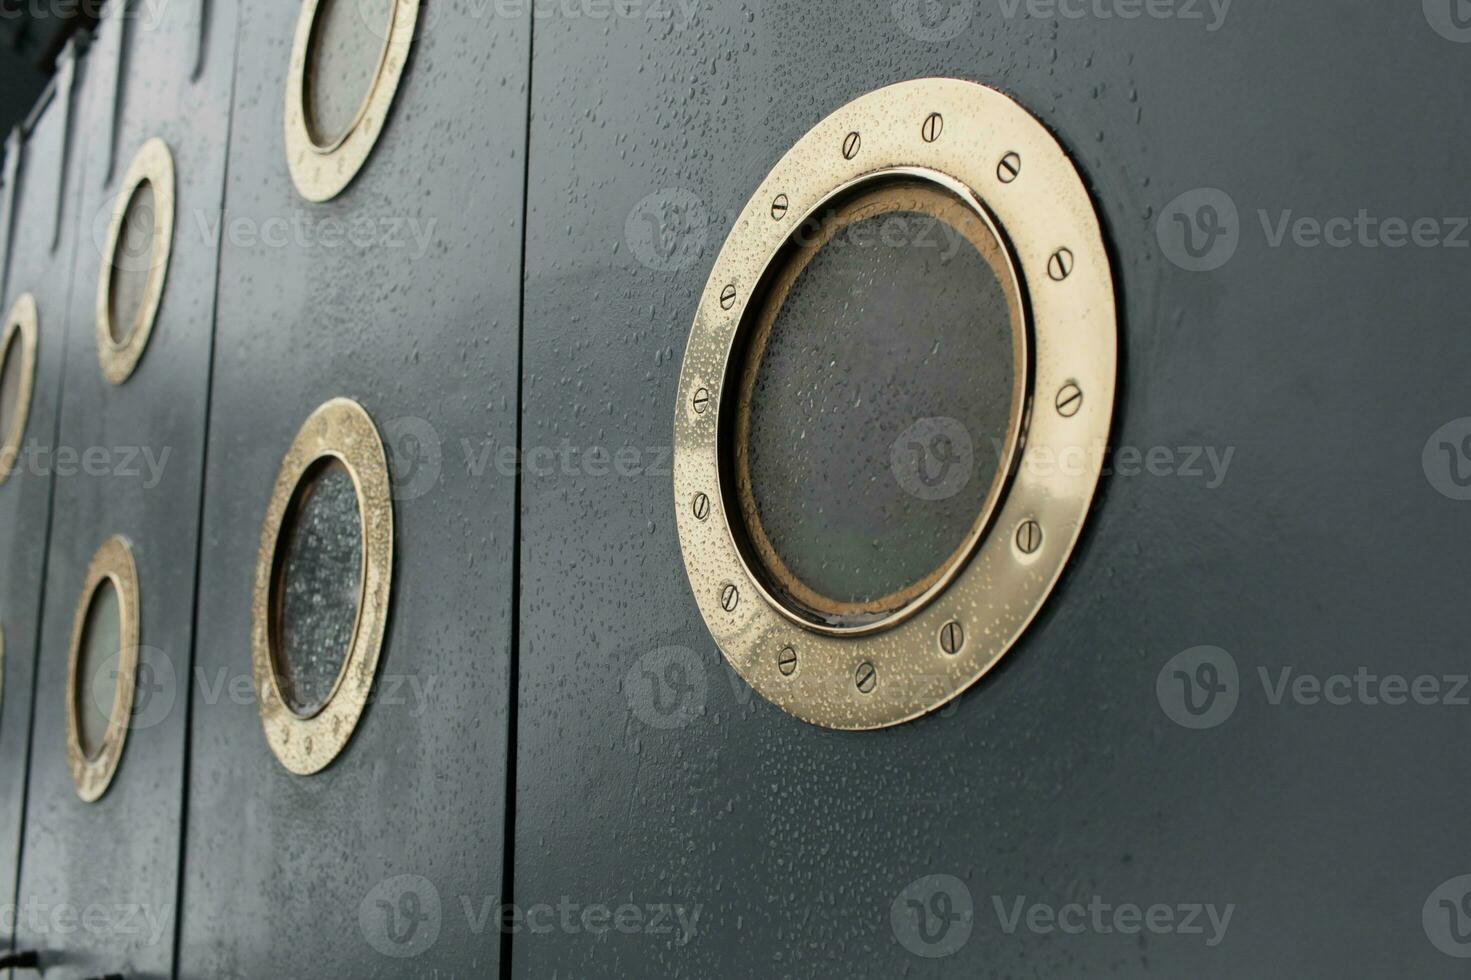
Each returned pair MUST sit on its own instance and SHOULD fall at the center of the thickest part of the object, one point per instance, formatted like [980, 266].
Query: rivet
[702, 401]
[952, 638]
[1029, 537]
[779, 207]
[1060, 266]
[1069, 400]
[933, 127]
[728, 297]
[730, 596]
[786, 661]
[866, 678]
[851, 146]
[701, 506]
[1009, 169]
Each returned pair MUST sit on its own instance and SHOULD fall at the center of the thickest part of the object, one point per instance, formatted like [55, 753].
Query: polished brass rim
[154, 165]
[93, 774]
[18, 338]
[321, 171]
[928, 193]
[980, 143]
[339, 430]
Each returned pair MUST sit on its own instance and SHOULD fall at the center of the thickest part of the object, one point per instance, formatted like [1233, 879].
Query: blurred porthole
[102, 668]
[17, 380]
[322, 583]
[347, 59]
[135, 264]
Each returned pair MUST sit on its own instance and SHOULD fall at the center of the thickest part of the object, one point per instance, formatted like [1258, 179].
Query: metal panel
[99, 881]
[403, 294]
[25, 497]
[651, 781]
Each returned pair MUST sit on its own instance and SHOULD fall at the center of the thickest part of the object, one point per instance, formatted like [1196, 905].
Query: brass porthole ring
[342, 432]
[321, 168]
[1007, 169]
[93, 773]
[18, 339]
[120, 345]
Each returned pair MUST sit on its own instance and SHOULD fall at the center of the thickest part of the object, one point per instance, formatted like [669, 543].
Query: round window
[894, 404]
[102, 668]
[140, 241]
[322, 582]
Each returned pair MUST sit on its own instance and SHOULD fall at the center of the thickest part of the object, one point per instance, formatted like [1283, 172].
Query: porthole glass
[343, 58]
[318, 587]
[131, 262]
[10, 379]
[18, 336]
[877, 395]
[98, 667]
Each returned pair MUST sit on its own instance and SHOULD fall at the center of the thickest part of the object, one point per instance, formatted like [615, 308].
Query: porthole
[135, 266]
[17, 379]
[102, 668]
[896, 391]
[322, 582]
[346, 62]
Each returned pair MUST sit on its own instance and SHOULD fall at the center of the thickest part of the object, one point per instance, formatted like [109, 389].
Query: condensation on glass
[875, 396]
[132, 264]
[317, 587]
[98, 667]
[343, 59]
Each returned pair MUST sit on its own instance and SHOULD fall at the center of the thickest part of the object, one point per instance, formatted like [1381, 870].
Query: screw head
[728, 297]
[1029, 537]
[866, 677]
[730, 597]
[1010, 168]
[702, 401]
[780, 206]
[933, 127]
[1069, 400]
[701, 506]
[1060, 266]
[786, 661]
[852, 145]
[952, 637]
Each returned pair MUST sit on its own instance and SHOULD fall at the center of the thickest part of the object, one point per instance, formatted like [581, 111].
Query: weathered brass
[983, 148]
[321, 170]
[93, 773]
[307, 744]
[18, 339]
[120, 346]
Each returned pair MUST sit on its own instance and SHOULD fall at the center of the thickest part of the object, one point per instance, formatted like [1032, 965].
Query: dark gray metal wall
[302, 877]
[116, 862]
[1060, 777]
[43, 244]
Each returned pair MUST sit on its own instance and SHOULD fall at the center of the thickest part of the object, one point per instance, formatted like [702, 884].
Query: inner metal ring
[121, 346]
[18, 339]
[321, 171]
[952, 628]
[342, 432]
[885, 192]
[92, 774]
